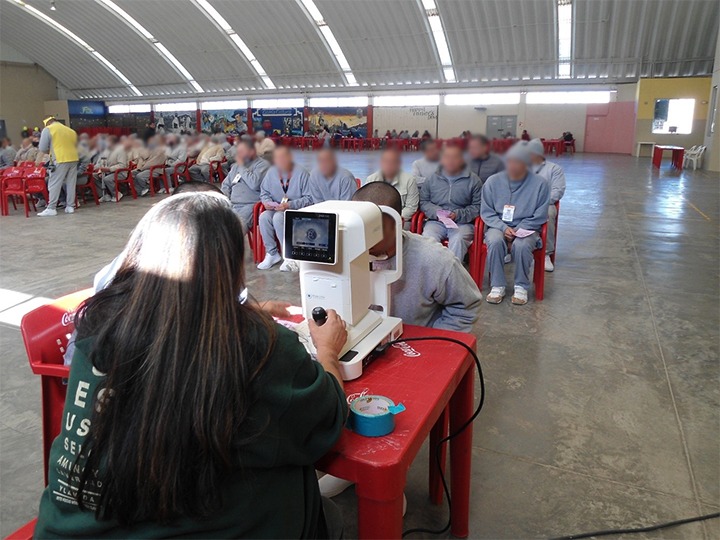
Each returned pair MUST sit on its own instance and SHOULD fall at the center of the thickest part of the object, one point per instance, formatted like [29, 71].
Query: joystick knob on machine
[319, 315]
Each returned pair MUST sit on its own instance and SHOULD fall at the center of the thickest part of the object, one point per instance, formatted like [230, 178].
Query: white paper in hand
[444, 218]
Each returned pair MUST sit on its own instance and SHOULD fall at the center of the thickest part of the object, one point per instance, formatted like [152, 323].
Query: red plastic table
[554, 144]
[678, 153]
[431, 378]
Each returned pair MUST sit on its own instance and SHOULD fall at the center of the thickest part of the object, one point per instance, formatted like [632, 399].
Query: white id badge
[238, 177]
[508, 213]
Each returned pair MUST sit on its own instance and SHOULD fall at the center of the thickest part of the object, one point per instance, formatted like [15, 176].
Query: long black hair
[179, 354]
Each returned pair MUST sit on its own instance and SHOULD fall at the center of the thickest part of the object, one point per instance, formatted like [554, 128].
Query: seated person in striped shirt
[286, 185]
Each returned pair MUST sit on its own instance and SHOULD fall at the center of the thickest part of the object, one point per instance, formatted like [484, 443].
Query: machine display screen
[310, 236]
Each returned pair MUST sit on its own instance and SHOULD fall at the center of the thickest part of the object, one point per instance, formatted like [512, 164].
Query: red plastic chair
[154, 176]
[11, 186]
[254, 236]
[90, 185]
[45, 332]
[181, 170]
[35, 184]
[476, 251]
[128, 180]
[538, 255]
[216, 172]
[557, 220]
[358, 183]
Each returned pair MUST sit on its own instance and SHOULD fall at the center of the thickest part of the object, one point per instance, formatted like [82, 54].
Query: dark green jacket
[274, 495]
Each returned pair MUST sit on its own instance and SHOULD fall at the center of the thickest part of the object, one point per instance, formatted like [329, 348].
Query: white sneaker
[106, 198]
[117, 199]
[269, 261]
[520, 296]
[47, 212]
[508, 259]
[549, 266]
[69, 210]
[144, 192]
[332, 485]
[289, 266]
[496, 295]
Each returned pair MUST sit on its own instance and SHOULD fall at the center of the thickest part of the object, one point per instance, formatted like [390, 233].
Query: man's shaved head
[381, 194]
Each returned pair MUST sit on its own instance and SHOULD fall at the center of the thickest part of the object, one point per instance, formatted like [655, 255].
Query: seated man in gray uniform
[330, 182]
[514, 209]
[555, 176]
[435, 290]
[482, 161]
[242, 184]
[450, 199]
[285, 186]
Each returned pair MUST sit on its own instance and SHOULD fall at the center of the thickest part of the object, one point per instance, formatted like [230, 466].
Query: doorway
[500, 126]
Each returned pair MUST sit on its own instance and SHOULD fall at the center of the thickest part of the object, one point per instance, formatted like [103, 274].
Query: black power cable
[608, 532]
[650, 528]
[383, 348]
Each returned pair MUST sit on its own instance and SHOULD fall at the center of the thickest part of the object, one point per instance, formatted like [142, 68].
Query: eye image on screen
[311, 233]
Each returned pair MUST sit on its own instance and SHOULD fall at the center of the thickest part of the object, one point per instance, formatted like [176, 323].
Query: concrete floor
[603, 402]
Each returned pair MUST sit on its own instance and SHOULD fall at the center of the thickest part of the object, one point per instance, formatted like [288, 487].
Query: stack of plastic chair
[694, 156]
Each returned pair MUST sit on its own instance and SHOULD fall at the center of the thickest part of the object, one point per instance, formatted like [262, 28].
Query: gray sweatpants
[272, 224]
[522, 253]
[142, 180]
[64, 173]
[459, 239]
[109, 181]
[552, 214]
[245, 211]
[200, 173]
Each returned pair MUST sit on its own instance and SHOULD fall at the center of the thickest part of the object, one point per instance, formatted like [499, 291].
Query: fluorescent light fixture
[280, 103]
[407, 101]
[213, 14]
[355, 101]
[132, 108]
[219, 105]
[510, 98]
[564, 98]
[330, 40]
[437, 31]
[140, 29]
[74, 37]
[564, 38]
[176, 107]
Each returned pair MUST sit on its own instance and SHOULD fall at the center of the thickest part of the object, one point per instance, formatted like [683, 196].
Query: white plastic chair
[695, 157]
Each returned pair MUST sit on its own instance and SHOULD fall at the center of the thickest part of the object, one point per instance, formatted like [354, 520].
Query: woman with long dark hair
[188, 413]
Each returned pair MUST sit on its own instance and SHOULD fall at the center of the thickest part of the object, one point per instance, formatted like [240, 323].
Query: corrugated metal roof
[386, 42]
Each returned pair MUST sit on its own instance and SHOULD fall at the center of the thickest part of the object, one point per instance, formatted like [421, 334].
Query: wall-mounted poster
[278, 121]
[347, 120]
[232, 122]
[175, 122]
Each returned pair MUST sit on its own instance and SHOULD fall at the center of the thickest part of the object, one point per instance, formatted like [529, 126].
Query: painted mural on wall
[346, 120]
[278, 121]
[175, 122]
[232, 122]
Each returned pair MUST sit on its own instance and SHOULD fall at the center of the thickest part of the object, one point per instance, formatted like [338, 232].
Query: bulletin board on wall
[175, 122]
[278, 121]
[230, 121]
[409, 118]
[343, 119]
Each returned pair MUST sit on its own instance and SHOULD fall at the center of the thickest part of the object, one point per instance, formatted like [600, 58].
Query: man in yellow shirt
[61, 143]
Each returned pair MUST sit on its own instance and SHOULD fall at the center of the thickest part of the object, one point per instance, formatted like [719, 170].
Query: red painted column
[370, 121]
[306, 119]
[198, 120]
[251, 128]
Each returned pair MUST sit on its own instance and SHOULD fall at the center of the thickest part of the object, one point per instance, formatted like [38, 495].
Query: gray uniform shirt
[298, 188]
[242, 183]
[485, 168]
[341, 187]
[435, 290]
[555, 176]
[422, 169]
[461, 194]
